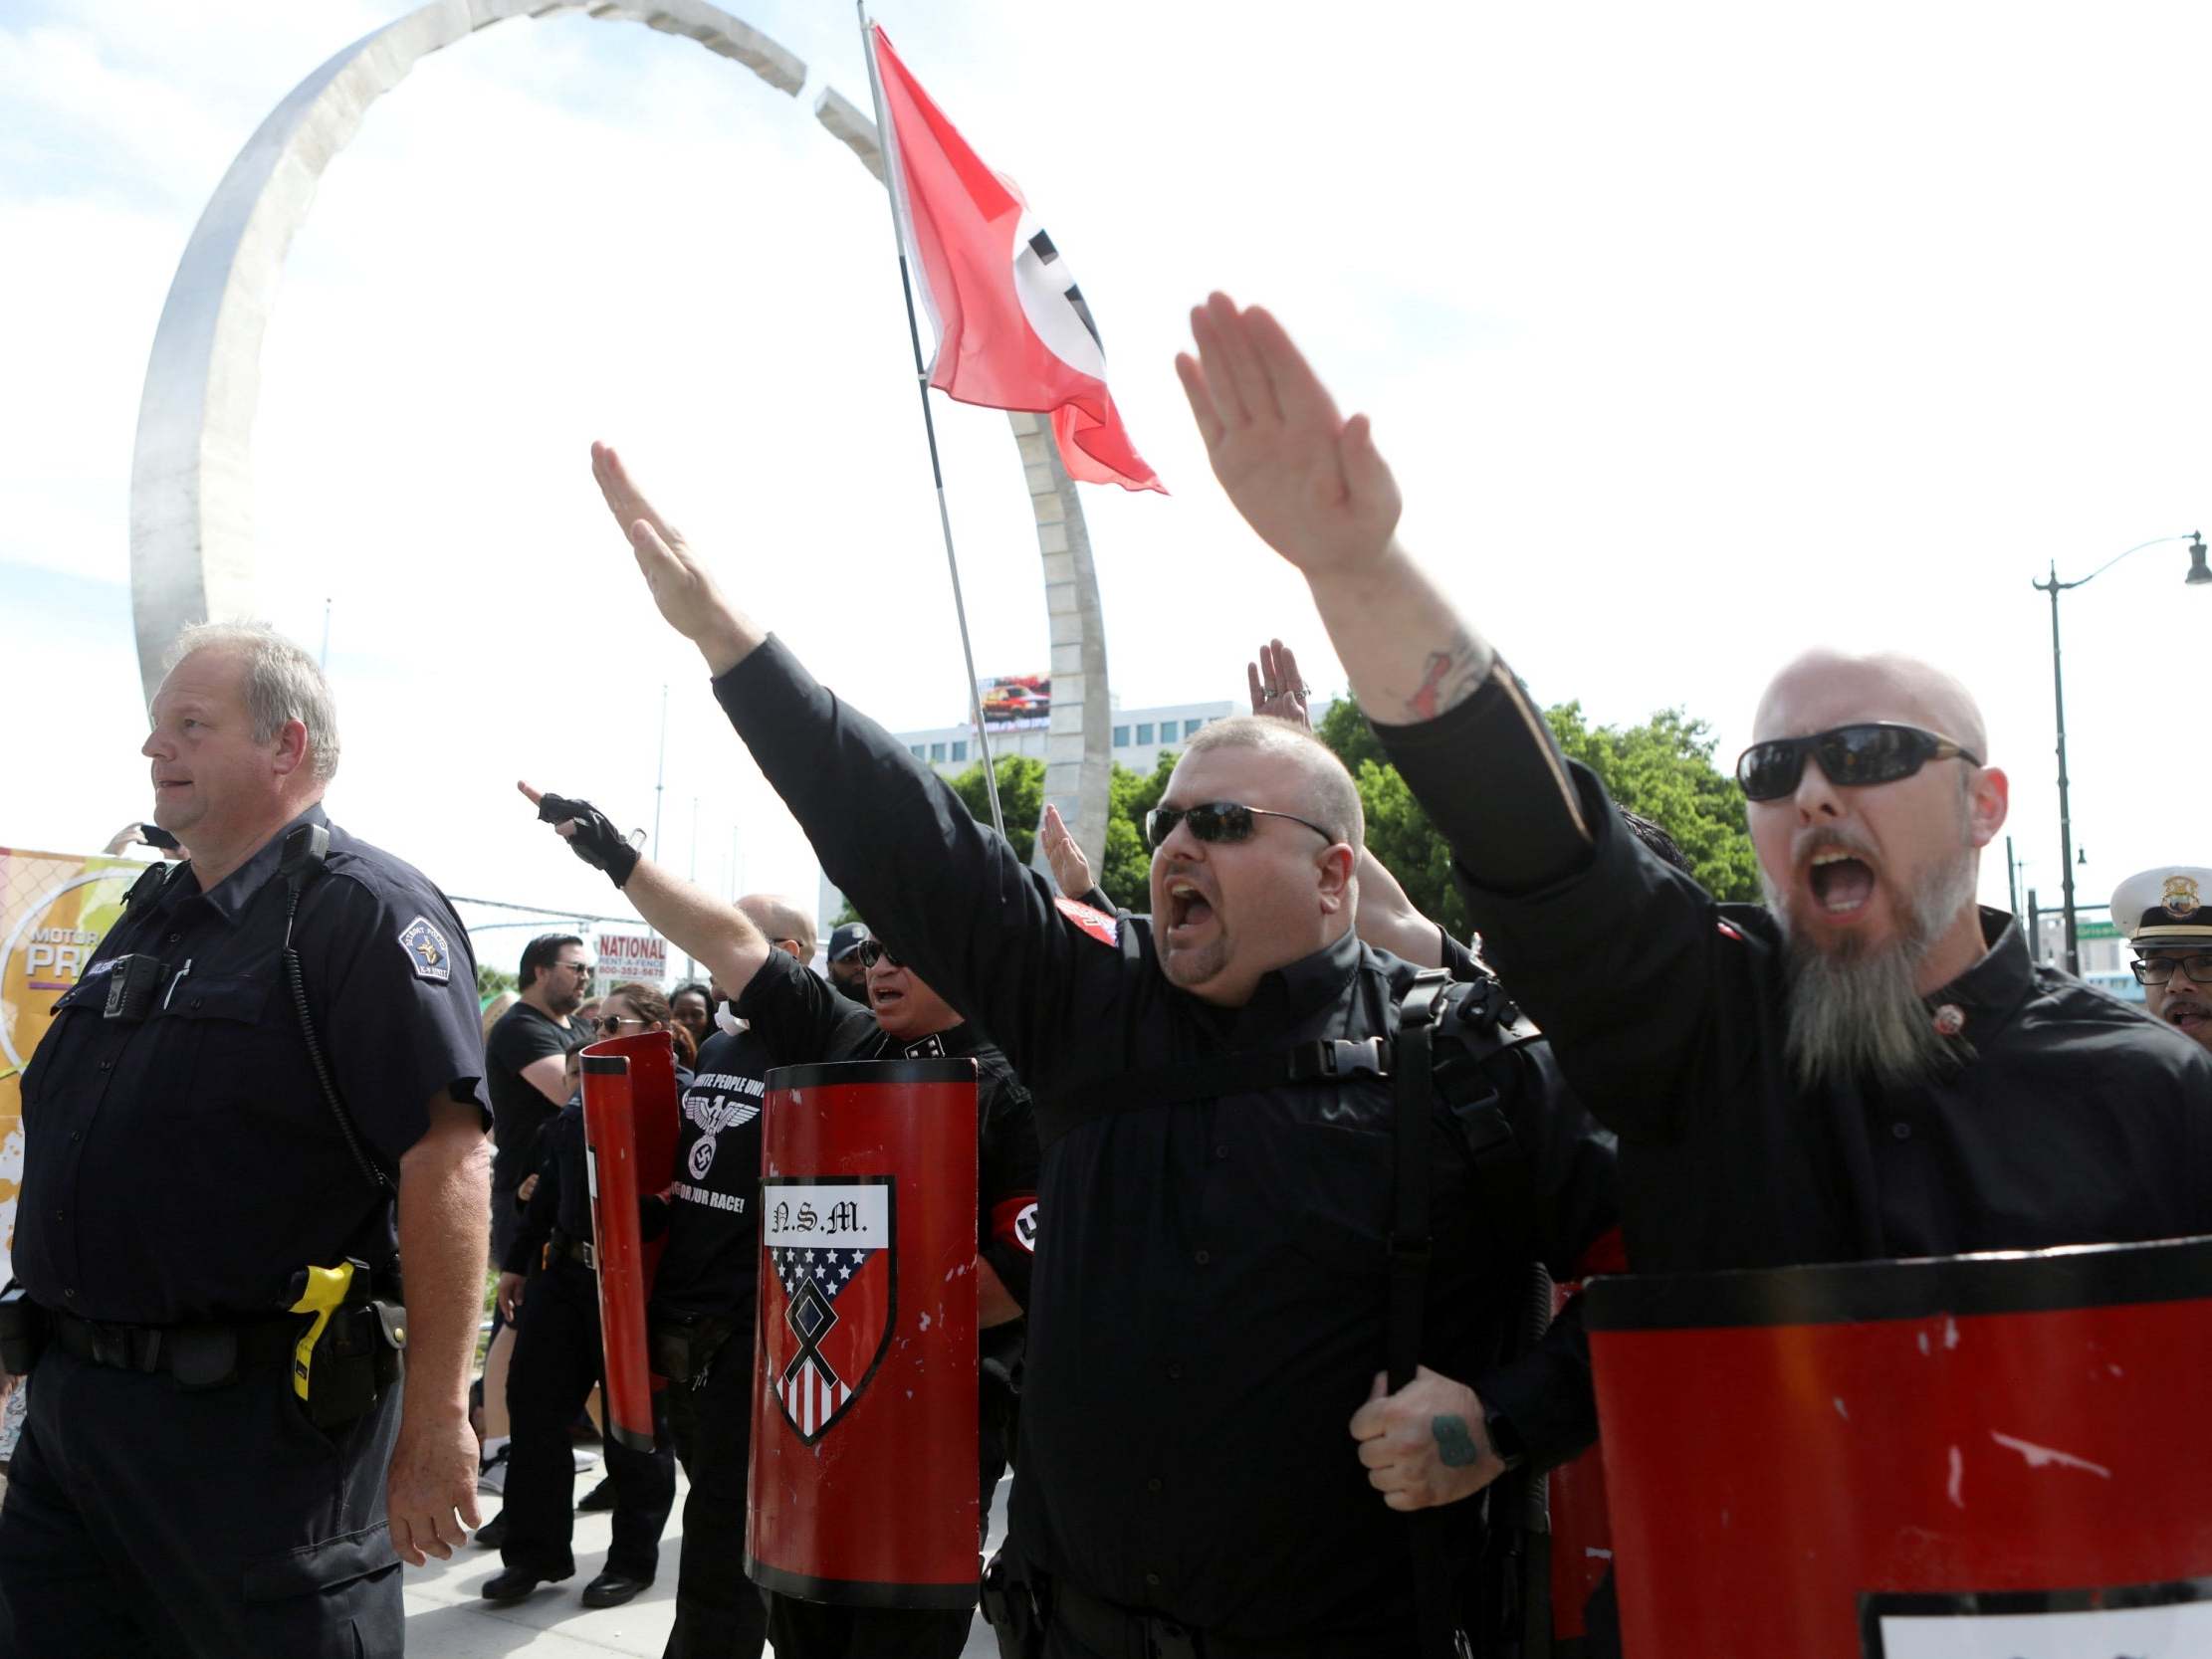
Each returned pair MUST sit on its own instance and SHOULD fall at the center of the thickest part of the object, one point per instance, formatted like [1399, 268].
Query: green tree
[491, 981]
[1661, 770]
[1020, 797]
[1126, 875]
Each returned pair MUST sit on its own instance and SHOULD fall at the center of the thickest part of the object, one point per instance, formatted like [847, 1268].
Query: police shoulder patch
[1096, 923]
[427, 952]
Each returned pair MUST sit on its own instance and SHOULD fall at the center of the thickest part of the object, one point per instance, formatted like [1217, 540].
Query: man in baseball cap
[846, 971]
[2166, 915]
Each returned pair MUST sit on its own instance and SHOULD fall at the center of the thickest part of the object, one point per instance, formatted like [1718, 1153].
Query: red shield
[832, 1284]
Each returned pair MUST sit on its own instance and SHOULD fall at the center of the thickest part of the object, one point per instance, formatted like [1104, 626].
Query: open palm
[1310, 481]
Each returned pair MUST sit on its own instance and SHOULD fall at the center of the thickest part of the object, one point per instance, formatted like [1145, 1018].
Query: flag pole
[886, 145]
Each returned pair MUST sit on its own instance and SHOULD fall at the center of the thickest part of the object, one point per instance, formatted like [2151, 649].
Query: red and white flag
[1012, 329]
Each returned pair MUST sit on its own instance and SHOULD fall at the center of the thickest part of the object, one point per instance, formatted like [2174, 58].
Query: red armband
[1015, 1221]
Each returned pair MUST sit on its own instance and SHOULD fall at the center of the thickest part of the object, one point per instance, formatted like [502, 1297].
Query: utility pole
[660, 775]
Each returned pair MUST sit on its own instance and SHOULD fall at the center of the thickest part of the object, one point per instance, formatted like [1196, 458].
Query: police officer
[798, 1019]
[1870, 1067]
[219, 1459]
[559, 1361]
[2166, 915]
[1204, 1427]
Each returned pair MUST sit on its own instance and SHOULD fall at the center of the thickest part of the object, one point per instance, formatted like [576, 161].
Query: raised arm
[947, 895]
[1382, 914]
[712, 929]
[1316, 490]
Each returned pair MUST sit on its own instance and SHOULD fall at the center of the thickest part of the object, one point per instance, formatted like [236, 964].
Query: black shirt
[522, 1036]
[1208, 1303]
[185, 1166]
[2068, 1119]
[802, 1018]
[710, 1265]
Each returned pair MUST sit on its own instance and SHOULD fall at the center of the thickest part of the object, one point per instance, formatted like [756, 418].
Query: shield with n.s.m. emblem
[832, 1292]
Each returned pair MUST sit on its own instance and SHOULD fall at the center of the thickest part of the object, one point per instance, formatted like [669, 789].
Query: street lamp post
[2199, 575]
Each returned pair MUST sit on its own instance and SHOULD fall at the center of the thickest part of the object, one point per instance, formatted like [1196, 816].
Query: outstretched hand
[590, 833]
[685, 593]
[1310, 481]
[1278, 691]
[1072, 871]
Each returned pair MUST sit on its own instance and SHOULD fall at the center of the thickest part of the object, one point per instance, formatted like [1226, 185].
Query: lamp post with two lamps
[2199, 575]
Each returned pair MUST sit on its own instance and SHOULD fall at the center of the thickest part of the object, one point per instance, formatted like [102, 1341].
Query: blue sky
[1696, 336]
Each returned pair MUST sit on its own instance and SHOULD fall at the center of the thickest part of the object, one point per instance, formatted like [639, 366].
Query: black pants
[557, 1362]
[719, 1615]
[214, 1523]
[816, 1630]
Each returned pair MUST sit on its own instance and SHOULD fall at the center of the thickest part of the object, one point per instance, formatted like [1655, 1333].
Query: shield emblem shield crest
[832, 1292]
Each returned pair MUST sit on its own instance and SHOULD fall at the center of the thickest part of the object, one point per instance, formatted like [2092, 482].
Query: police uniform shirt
[2066, 1118]
[803, 1018]
[187, 1164]
[521, 1037]
[1210, 1277]
[709, 1266]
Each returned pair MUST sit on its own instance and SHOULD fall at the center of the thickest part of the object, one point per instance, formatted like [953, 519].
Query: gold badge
[2181, 900]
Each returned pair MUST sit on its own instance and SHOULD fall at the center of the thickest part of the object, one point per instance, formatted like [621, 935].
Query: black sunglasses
[874, 952]
[611, 1024]
[2156, 970]
[1229, 821]
[1852, 756]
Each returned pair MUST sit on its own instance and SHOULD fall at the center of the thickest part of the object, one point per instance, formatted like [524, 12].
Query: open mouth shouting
[1189, 911]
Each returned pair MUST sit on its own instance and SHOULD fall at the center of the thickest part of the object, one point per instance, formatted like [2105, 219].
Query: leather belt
[576, 1250]
[154, 1348]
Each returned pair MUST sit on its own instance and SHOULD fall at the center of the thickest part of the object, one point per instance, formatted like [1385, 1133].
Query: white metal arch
[191, 482]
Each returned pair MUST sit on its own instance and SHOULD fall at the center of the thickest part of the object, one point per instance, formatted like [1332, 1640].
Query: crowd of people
[1265, 1172]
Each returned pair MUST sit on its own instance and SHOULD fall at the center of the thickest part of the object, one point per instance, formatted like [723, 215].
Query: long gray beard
[1856, 1015]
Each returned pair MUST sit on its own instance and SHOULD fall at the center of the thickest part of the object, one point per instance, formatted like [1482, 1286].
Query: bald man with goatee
[1868, 1065]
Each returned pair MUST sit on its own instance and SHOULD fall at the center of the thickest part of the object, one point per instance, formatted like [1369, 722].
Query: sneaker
[585, 1461]
[492, 1476]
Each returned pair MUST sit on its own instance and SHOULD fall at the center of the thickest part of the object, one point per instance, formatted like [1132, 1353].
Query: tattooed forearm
[1449, 677]
[1455, 1446]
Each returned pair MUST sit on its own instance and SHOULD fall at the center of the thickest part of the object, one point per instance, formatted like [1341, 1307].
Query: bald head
[1317, 780]
[780, 918]
[1824, 688]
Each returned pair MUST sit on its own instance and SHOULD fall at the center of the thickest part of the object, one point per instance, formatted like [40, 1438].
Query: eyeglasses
[875, 952]
[581, 969]
[610, 1025]
[1852, 756]
[1217, 821]
[2156, 970]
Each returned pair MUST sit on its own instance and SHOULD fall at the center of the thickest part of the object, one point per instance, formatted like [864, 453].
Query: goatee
[1856, 1013]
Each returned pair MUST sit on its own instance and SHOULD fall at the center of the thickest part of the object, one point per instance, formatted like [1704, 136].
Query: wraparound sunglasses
[1852, 756]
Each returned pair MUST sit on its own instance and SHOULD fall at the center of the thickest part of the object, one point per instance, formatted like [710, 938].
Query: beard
[1856, 1013]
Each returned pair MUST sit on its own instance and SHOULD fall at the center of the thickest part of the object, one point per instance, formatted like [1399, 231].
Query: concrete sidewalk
[448, 1619]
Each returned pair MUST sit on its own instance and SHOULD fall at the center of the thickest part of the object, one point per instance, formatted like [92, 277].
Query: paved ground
[447, 1617]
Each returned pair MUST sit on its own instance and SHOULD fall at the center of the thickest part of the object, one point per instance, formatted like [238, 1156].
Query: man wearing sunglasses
[1868, 1065]
[2166, 915]
[795, 1017]
[1211, 1461]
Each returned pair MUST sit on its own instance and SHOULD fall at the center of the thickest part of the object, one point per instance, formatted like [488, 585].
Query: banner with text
[54, 911]
[626, 959]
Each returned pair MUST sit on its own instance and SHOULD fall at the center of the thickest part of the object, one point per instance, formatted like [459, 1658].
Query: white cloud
[1694, 338]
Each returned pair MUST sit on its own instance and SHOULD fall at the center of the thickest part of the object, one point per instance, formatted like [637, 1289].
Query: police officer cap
[846, 939]
[2167, 909]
